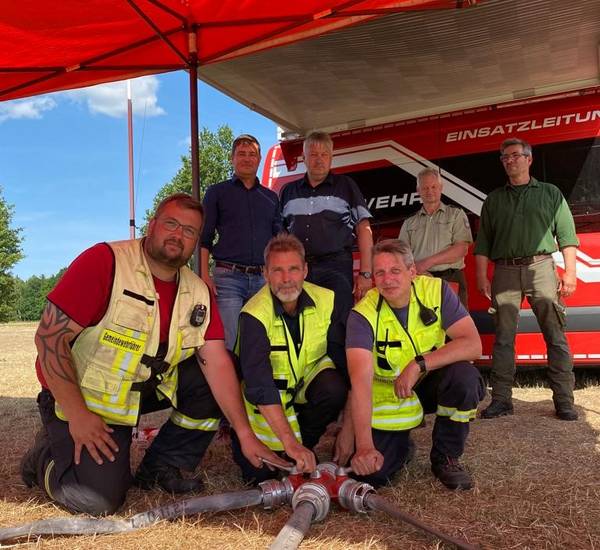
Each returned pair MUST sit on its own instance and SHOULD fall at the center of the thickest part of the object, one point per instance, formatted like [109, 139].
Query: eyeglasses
[189, 232]
[512, 156]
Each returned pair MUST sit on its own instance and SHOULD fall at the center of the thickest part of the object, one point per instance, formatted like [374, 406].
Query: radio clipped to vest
[198, 315]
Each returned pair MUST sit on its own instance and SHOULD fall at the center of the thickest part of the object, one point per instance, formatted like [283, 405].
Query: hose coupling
[352, 495]
[315, 494]
[276, 493]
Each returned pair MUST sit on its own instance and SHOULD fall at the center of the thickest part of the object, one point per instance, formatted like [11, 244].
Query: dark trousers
[455, 276]
[325, 398]
[539, 283]
[95, 489]
[337, 275]
[457, 386]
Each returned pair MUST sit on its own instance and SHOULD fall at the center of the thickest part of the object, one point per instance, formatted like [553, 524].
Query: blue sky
[64, 167]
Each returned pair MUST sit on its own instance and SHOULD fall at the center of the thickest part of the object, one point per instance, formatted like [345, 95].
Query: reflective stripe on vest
[189, 423]
[394, 349]
[263, 430]
[291, 370]
[108, 355]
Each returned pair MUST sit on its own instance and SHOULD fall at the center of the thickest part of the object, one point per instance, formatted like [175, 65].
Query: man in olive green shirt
[438, 234]
[521, 224]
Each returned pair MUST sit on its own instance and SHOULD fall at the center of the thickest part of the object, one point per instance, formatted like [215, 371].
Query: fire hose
[310, 499]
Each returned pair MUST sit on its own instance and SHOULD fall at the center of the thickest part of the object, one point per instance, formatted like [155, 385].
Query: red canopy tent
[51, 46]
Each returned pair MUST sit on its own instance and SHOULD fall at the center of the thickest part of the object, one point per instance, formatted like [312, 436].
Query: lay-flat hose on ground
[293, 532]
[198, 505]
[99, 526]
[376, 502]
[66, 526]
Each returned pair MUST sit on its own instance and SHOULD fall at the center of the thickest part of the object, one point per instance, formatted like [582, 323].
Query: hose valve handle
[289, 469]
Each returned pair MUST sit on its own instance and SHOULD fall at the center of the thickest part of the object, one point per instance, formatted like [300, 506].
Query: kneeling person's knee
[83, 500]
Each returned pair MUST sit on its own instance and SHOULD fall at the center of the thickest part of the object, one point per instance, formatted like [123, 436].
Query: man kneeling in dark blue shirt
[291, 351]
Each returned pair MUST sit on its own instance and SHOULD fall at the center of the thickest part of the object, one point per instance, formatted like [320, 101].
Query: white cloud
[111, 99]
[185, 142]
[32, 107]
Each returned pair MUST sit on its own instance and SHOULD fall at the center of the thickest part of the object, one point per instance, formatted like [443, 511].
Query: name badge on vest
[198, 315]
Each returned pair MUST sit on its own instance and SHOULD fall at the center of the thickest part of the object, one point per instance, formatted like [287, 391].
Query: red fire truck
[565, 133]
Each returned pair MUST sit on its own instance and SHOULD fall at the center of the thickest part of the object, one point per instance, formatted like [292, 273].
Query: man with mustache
[291, 352]
[128, 330]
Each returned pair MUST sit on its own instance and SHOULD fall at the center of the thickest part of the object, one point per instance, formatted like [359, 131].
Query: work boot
[566, 412]
[452, 473]
[166, 477]
[497, 408]
[30, 463]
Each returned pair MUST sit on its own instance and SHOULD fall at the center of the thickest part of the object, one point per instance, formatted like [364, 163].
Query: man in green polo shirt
[438, 234]
[521, 224]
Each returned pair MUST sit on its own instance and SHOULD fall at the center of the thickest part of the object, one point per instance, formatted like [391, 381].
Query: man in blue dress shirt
[245, 215]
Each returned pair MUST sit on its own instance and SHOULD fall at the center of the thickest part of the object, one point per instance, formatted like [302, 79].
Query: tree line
[24, 300]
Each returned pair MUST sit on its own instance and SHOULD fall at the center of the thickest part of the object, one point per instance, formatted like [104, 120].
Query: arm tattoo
[53, 339]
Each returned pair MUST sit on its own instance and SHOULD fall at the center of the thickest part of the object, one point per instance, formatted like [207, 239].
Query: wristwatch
[420, 360]
[365, 274]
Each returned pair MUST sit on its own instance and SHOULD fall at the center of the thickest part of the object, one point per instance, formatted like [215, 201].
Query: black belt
[522, 260]
[251, 269]
[444, 272]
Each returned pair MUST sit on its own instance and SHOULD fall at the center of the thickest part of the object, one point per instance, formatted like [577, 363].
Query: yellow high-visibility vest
[292, 371]
[110, 357]
[394, 348]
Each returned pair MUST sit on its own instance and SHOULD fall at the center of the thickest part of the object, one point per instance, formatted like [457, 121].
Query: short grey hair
[429, 172]
[396, 247]
[317, 137]
[284, 242]
[516, 141]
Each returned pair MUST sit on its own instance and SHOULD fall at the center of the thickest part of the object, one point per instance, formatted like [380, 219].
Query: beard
[169, 253]
[287, 294]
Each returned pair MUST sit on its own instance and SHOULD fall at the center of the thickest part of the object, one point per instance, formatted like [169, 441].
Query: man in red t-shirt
[129, 330]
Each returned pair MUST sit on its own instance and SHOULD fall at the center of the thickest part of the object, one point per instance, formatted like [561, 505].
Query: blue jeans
[234, 289]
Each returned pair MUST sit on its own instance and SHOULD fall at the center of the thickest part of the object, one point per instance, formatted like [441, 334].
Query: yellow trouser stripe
[47, 473]
[205, 424]
[454, 414]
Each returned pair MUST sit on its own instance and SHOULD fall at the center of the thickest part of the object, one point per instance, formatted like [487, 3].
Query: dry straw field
[538, 482]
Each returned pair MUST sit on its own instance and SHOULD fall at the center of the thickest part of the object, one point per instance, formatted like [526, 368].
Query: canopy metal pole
[130, 142]
[195, 144]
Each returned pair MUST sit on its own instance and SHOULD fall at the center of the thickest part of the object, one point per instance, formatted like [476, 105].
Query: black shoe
[30, 462]
[567, 413]
[166, 477]
[496, 409]
[452, 473]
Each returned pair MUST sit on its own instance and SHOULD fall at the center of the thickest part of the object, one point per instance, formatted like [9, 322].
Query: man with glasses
[245, 215]
[122, 334]
[522, 224]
